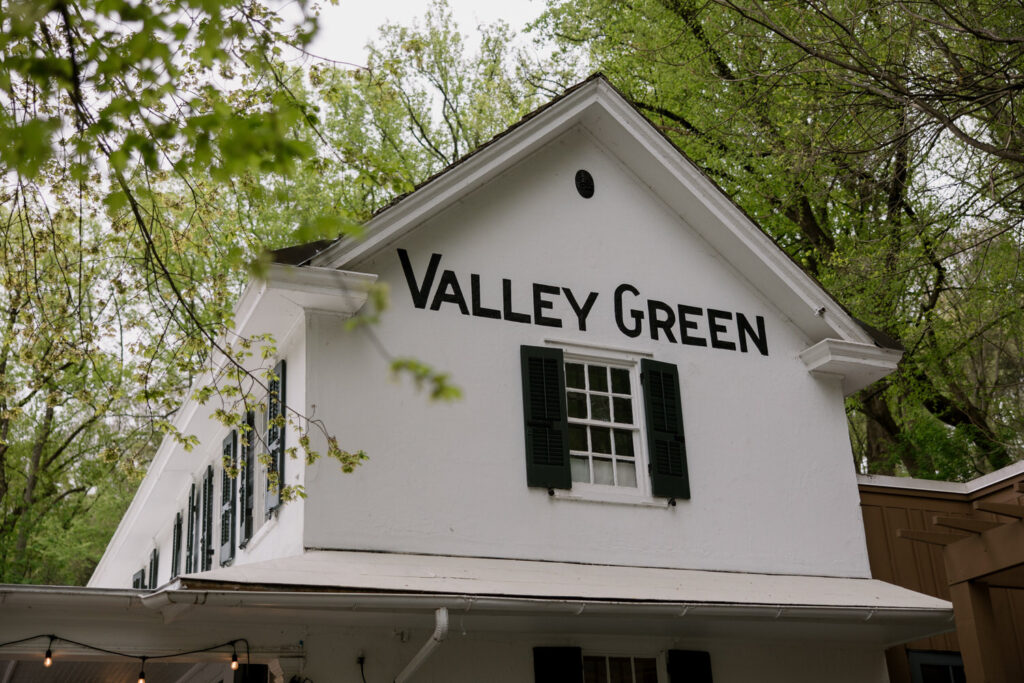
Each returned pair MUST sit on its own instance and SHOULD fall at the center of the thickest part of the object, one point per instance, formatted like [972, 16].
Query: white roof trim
[599, 108]
[858, 364]
[973, 486]
[366, 571]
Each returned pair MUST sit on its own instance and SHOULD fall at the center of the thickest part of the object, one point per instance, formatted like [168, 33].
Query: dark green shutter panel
[275, 437]
[190, 561]
[547, 442]
[154, 567]
[176, 547]
[228, 498]
[206, 543]
[139, 579]
[688, 666]
[666, 445]
[247, 480]
[557, 665]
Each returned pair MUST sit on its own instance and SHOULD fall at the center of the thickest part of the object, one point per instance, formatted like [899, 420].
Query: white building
[592, 293]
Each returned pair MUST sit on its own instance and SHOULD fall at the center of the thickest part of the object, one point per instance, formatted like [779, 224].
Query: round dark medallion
[585, 184]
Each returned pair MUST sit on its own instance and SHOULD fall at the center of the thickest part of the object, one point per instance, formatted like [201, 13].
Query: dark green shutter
[154, 567]
[557, 665]
[247, 480]
[206, 543]
[666, 445]
[176, 547]
[275, 436]
[688, 666]
[547, 443]
[139, 579]
[190, 556]
[228, 498]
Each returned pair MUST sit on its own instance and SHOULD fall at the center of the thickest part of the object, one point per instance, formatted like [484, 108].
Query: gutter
[420, 602]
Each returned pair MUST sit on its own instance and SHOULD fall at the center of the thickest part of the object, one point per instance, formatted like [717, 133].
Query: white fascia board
[857, 364]
[624, 132]
[288, 291]
[962, 488]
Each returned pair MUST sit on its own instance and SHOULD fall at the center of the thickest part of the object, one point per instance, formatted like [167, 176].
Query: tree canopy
[879, 143]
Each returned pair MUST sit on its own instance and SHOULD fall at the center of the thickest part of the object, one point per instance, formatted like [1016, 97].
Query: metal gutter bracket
[439, 634]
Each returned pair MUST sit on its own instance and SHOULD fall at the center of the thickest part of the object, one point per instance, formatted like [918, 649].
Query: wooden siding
[920, 567]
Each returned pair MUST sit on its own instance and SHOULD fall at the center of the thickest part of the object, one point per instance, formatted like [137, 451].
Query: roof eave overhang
[164, 615]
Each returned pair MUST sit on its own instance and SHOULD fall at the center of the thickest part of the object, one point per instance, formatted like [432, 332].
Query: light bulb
[48, 659]
[234, 661]
[142, 677]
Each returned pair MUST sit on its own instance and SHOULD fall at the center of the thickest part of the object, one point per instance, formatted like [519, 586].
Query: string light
[48, 657]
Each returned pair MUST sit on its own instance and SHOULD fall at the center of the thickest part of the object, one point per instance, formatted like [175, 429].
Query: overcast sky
[347, 27]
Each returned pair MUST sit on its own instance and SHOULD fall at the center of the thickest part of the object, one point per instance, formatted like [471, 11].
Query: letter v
[419, 294]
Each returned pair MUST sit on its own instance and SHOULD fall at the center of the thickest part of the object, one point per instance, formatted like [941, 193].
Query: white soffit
[366, 571]
[599, 108]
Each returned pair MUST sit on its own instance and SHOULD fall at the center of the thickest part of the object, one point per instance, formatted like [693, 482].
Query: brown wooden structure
[960, 542]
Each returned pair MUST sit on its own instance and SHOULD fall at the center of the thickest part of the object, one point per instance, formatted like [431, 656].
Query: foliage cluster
[880, 143]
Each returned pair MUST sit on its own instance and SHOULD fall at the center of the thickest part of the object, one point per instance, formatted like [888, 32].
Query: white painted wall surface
[773, 486]
[149, 522]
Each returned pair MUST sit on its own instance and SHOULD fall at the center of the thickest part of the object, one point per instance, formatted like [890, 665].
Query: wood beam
[1005, 509]
[976, 631]
[933, 537]
[975, 526]
[973, 557]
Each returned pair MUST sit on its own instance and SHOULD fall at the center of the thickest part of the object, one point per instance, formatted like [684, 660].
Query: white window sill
[261, 533]
[611, 498]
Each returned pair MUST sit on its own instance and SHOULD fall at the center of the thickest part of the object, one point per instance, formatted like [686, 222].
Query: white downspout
[439, 634]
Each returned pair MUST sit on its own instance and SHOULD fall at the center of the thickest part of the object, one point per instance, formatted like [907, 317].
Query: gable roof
[839, 344]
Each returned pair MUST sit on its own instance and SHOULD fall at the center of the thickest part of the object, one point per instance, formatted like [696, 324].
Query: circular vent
[585, 184]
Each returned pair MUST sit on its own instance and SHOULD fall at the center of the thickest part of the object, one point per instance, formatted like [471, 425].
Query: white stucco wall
[773, 486]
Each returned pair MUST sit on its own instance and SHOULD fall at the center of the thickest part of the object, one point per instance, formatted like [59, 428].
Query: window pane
[594, 670]
[623, 442]
[620, 669]
[646, 670]
[574, 376]
[600, 440]
[577, 437]
[599, 409]
[623, 410]
[626, 471]
[620, 381]
[580, 469]
[598, 375]
[577, 404]
[603, 472]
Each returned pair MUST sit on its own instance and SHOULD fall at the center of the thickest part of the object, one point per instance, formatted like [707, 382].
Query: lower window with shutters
[606, 427]
[598, 669]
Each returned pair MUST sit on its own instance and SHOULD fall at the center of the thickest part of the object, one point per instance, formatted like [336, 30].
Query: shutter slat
[546, 427]
[665, 436]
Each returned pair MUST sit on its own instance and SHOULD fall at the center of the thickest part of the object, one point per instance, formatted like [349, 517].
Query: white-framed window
[605, 448]
[618, 669]
[603, 424]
